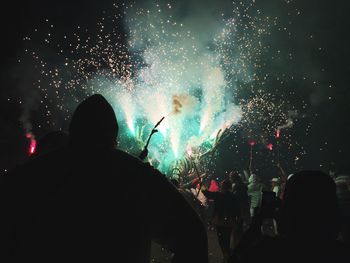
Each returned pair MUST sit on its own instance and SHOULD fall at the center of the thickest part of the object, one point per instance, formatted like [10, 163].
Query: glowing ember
[189, 151]
[251, 143]
[270, 146]
[214, 187]
[32, 145]
[278, 133]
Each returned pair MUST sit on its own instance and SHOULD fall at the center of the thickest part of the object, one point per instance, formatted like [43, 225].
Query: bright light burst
[161, 67]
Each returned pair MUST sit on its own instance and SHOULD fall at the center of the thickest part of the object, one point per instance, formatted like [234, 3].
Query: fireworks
[261, 114]
[162, 67]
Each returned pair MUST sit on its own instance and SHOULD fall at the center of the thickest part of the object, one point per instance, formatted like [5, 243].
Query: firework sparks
[164, 68]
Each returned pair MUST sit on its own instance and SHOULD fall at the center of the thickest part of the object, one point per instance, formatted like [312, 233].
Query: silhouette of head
[233, 174]
[235, 178]
[226, 185]
[51, 141]
[309, 208]
[94, 124]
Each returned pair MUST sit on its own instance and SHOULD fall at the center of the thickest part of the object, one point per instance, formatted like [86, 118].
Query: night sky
[320, 66]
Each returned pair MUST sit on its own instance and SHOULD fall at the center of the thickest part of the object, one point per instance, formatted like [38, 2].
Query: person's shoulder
[133, 162]
[38, 173]
[116, 153]
[39, 162]
[125, 158]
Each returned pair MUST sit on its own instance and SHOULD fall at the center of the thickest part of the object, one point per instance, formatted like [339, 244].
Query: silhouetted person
[241, 191]
[255, 193]
[342, 182]
[91, 202]
[307, 225]
[276, 186]
[225, 215]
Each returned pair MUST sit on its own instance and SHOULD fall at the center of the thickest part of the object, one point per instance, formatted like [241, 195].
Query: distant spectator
[255, 193]
[241, 191]
[226, 215]
[276, 186]
[307, 225]
[342, 182]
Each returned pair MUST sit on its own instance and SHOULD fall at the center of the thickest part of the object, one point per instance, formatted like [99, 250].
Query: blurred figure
[245, 176]
[255, 193]
[307, 225]
[275, 186]
[67, 205]
[225, 216]
[342, 182]
[241, 191]
[269, 225]
[283, 177]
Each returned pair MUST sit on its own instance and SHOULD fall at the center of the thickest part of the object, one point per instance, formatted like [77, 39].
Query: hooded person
[90, 201]
[94, 125]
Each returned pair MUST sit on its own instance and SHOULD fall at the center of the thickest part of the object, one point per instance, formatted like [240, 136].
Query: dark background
[327, 142]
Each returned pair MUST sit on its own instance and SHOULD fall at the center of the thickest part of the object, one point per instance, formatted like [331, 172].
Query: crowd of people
[79, 198]
[229, 206]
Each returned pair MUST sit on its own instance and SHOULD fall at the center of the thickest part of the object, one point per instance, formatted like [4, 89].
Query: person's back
[226, 208]
[92, 202]
[225, 215]
[226, 205]
[240, 190]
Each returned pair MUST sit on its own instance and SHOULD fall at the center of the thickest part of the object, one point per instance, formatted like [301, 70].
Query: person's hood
[94, 124]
